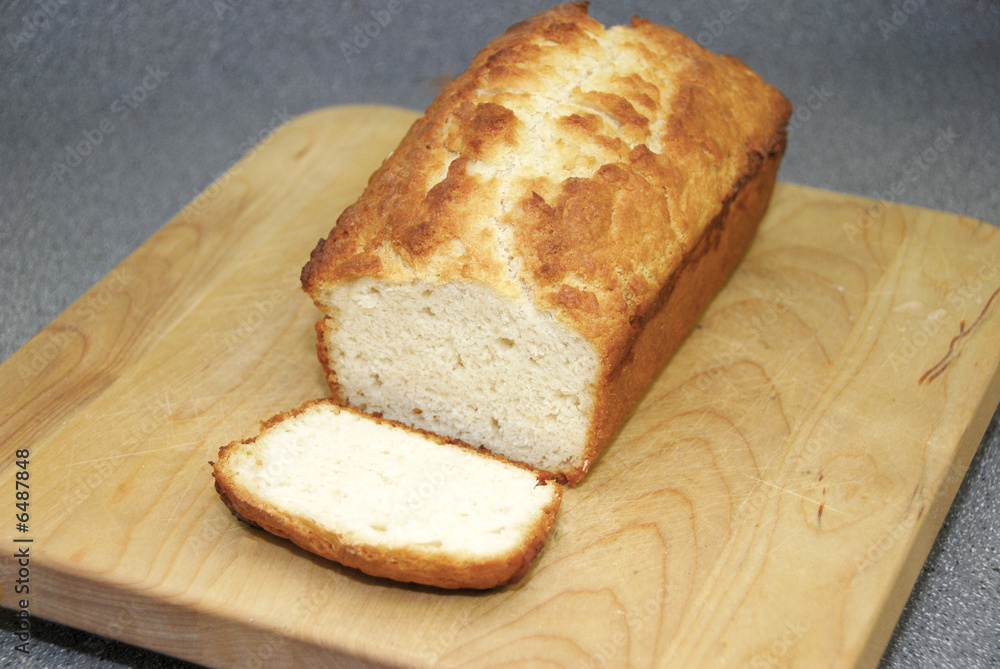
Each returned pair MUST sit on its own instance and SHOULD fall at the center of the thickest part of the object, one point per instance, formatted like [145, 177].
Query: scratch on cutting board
[129, 455]
[942, 364]
[168, 524]
[792, 492]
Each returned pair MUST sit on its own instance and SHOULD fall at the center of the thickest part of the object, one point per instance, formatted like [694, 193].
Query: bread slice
[373, 494]
[544, 236]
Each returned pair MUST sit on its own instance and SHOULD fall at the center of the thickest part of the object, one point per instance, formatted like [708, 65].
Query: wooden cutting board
[770, 502]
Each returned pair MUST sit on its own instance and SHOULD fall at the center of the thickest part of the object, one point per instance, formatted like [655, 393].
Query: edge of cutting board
[62, 373]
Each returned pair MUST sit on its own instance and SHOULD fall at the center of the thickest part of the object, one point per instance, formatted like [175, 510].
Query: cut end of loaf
[461, 360]
[388, 500]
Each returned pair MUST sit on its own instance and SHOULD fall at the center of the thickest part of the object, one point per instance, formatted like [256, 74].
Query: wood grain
[769, 503]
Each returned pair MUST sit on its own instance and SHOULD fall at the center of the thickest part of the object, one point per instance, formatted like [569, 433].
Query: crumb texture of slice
[389, 500]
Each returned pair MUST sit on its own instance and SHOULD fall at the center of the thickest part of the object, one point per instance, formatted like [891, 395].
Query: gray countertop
[170, 94]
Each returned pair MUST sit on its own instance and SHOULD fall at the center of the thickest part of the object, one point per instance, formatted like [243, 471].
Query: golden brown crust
[649, 142]
[612, 237]
[682, 301]
[410, 565]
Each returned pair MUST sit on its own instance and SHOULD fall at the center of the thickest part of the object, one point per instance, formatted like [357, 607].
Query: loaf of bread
[388, 500]
[524, 262]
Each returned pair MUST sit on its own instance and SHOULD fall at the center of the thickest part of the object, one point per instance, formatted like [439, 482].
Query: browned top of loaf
[570, 165]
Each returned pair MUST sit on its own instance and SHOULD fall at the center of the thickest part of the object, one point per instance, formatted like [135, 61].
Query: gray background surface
[891, 77]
